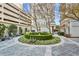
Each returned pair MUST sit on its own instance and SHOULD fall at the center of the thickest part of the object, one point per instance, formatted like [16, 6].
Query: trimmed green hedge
[34, 33]
[38, 36]
[61, 33]
[37, 33]
[44, 33]
[27, 36]
[54, 40]
[41, 37]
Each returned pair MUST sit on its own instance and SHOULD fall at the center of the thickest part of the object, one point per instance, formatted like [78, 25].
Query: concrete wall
[74, 28]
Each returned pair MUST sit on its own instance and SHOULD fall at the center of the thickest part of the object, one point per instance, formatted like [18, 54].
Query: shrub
[40, 42]
[61, 33]
[38, 35]
[44, 33]
[34, 33]
[27, 35]
[41, 37]
[12, 30]
[45, 42]
[2, 29]
[23, 39]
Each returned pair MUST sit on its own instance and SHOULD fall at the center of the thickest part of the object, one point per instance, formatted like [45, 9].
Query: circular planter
[39, 39]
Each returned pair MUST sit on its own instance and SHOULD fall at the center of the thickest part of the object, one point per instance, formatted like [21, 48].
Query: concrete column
[30, 28]
[17, 30]
[23, 30]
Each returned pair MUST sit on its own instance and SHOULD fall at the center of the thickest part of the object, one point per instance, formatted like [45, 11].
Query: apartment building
[11, 13]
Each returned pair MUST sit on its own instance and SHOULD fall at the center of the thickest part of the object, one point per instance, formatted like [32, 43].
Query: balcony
[11, 18]
[11, 13]
[10, 8]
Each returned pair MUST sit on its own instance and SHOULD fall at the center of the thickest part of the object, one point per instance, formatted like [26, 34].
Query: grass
[54, 40]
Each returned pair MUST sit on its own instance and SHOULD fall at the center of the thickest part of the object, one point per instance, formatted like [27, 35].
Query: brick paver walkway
[14, 48]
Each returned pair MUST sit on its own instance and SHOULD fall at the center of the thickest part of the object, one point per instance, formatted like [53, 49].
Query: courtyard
[33, 32]
[13, 47]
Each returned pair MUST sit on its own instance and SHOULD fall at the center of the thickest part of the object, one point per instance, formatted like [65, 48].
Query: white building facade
[70, 27]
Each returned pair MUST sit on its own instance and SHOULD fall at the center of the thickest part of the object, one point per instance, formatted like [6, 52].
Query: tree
[34, 14]
[70, 10]
[43, 11]
[47, 13]
[2, 30]
[12, 30]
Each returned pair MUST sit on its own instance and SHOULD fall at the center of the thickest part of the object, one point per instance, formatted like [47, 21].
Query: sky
[26, 8]
[57, 13]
